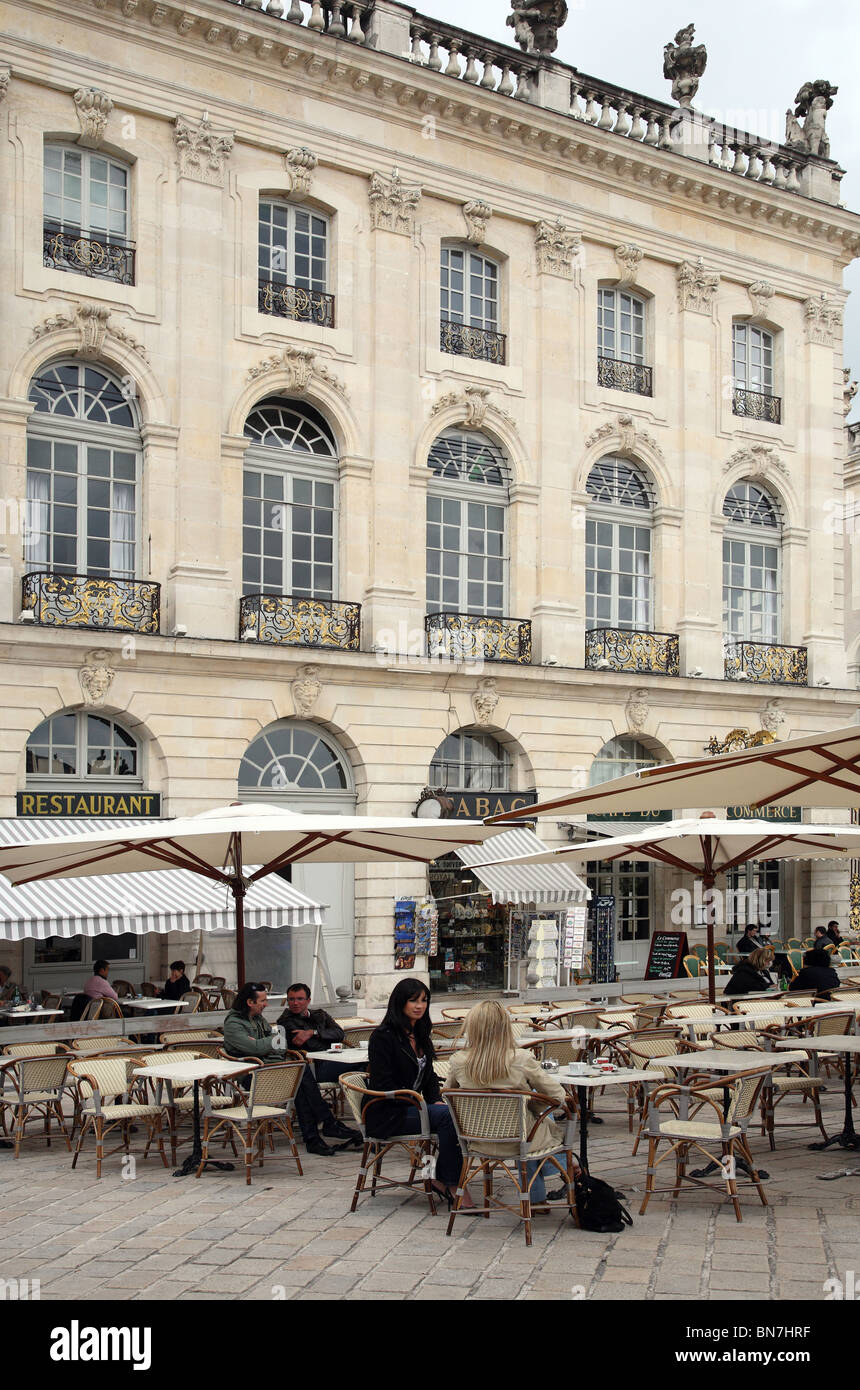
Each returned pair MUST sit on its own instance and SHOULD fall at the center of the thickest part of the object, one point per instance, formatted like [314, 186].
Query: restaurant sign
[632, 817]
[70, 804]
[479, 805]
[775, 813]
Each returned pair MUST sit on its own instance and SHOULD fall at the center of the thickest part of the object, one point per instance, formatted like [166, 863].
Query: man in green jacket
[248, 1034]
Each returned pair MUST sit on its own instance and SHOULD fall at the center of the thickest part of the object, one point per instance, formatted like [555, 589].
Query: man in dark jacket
[247, 1033]
[817, 973]
[749, 941]
[178, 983]
[313, 1030]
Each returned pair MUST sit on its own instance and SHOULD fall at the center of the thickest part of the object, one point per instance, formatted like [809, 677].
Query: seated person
[751, 974]
[817, 973]
[248, 1034]
[178, 983]
[834, 933]
[821, 941]
[97, 986]
[7, 985]
[313, 1030]
[749, 941]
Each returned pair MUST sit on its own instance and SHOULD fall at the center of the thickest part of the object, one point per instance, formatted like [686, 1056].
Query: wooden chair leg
[361, 1177]
[525, 1202]
[649, 1180]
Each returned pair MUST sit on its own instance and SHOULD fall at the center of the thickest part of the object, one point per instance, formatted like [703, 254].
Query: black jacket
[174, 989]
[745, 944]
[325, 1030]
[745, 979]
[815, 977]
[393, 1066]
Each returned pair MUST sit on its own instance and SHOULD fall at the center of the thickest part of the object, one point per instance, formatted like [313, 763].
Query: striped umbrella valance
[521, 884]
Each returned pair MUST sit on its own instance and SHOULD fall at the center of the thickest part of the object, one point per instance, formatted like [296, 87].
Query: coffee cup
[336, 1047]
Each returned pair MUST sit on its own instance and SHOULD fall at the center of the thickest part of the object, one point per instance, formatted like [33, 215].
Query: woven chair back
[490, 1116]
[618, 1020]
[442, 1066]
[695, 1011]
[124, 989]
[191, 1035]
[575, 1018]
[832, 1025]
[193, 998]
[519, 1027]
[276, 1083]
[34, 1049]
[98, 1044]
[354, 1087]
[91, 1011]
[447, 1030]
[107, 1075]
[354, 1037]
[562, 1051]
[649, 1015]
[40, 1074]
[757, 1006]
[110, 1009]
[743, 1098]
[747, 1039]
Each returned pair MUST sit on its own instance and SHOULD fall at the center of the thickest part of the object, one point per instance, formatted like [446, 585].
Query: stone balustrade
[454, 52]
[622, 113]
[342, 19]
[763, 162]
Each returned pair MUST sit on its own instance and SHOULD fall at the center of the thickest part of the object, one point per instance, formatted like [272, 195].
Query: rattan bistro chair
[104, 1084]
[494, 1129]
[269, 1104]
[419, 1148]
[32, 1087]
[356, 1035]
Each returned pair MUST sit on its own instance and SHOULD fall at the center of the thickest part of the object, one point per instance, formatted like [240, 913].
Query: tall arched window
[290, 502]
[86, 747]
[83, 473]
[86, 214]
[467, 498]
[471, 762]
[751, 564]
[618, 581]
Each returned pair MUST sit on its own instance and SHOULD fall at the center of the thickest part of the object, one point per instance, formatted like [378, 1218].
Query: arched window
[621, 342]
[471, 762]
[618, 581]
[751, 564]
[753, 372]
[290, 502]
[467, 499]
[470, 305]
[292, 262]
[294, 758]
[86, 214]
[628, 881]
[83, 473]
[87, 747]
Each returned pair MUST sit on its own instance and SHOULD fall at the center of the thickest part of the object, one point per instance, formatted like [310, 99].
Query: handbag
[597, 1205]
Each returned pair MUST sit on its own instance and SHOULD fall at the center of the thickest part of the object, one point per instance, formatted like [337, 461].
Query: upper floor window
[83, 464]
[86, 214]
[294, 757]
[751, 564]
[466, 531]
[470, 306]
[753, 374]
[618, 582]
[292, 263]
[290, 502]
[471, 762]
[621, 343]
[83, 746]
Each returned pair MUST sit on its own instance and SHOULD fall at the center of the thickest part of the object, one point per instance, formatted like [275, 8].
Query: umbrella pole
[710, 910]
[237, 886]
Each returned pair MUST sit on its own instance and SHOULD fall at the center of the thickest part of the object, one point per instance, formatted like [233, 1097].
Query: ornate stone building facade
[371, 389]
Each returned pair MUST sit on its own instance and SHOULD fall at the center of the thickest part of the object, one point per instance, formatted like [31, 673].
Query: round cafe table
[624, 1076]
[181, 1073]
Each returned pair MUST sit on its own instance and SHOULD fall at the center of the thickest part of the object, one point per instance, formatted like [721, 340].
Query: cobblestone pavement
[285, 1237]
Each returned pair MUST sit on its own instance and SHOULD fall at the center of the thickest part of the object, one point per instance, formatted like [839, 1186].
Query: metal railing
[293, 302]
[477, 637]
[625, 376]
[757, 405]
[481, 344]
[620, 649]
[87, 255]
[768, 662]
[300, 622]
[83, 600]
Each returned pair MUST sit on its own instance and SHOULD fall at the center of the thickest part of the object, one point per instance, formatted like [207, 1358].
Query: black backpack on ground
[598, 1207]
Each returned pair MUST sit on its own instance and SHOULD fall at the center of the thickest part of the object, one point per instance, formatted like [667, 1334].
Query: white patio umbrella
[237, 846]
[707, 846]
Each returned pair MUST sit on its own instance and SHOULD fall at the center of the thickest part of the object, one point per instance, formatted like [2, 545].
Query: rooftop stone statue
[812, 103]
[684, 64]
[536, 24]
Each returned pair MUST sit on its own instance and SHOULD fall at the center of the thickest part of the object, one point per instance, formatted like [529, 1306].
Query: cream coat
[525, 1074]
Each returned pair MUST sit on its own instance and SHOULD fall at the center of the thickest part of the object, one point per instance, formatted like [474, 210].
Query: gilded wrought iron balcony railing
[620, 649]
[83, 600]
[768, 662]
[300, 622]
[625, 376]
[96, 256]
[292, 302]
[478, 637]
[757, 405]
[480, 344]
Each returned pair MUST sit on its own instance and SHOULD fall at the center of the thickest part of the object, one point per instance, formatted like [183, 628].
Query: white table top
[837, 1043]
[800, 1011]
[192, 1071]
[572, 1034]
[624, 1076]
[726, 1059]
[347, 1055]
[29, 1013]
[151, 1005]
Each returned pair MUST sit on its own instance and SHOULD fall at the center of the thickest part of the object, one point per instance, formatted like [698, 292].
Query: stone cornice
[371, 78]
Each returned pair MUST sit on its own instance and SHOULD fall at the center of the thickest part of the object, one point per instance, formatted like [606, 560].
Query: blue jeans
[450, 1157]
[538, 1187]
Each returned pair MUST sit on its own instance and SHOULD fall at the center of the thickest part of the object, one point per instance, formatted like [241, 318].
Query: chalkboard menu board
[668, 949]
[603, 940]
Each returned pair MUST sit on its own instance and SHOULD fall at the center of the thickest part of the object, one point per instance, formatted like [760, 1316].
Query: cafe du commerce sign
[66, 804]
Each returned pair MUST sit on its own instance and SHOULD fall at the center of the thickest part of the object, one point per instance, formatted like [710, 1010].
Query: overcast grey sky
[759, 54]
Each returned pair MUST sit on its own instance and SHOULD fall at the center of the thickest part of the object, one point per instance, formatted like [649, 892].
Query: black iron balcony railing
[83, 600]
[619, 649]
[625, 376]
[480, 344]
[757, 405]
[292, 302]
[768, 662]
[300, 622]
[477, 637]
[97, 256]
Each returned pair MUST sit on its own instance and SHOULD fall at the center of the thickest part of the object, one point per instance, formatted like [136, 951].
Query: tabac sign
[479, 805]
[66, 804]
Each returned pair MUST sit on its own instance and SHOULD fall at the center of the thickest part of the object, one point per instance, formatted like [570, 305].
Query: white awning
[173, 900]
[521, 884]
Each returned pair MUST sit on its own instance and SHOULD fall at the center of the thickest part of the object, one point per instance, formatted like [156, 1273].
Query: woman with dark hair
[400, 1056]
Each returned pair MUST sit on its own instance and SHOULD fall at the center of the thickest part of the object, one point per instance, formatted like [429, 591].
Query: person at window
[400, 1056]
[817, 973]
[97, 986]
[7, 985]
[834, 933]
[178, 982]
[312, 1030]
[247, 1033]
[749, 941]
[491, 1061]
[751, 975]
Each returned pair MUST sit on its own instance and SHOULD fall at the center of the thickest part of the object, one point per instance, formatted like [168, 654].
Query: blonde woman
[491, 1061]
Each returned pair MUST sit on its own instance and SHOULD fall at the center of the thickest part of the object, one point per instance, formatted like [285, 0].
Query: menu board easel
[668, 949]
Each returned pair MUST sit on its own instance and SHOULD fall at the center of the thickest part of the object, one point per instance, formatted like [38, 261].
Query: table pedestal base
[193, 1161]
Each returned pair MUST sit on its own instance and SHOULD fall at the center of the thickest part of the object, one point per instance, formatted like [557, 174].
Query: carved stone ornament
[761, 294]
[5, 75]
[758, 460]
[683, 64]
[823, 318]
[96, 677]
[473, 404]
[301, 367]
[93, 323]
[300, 164]
[93, 108]
[393, 204]
[630, 438]
[484, 700]
[849, 391]
[629, 259]
[202, 151]
[306, 690]
[811, 104]
[536, 24]
[696, 286]
[771, 717]
[556, 247]
[477, 215]
[636, 710]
